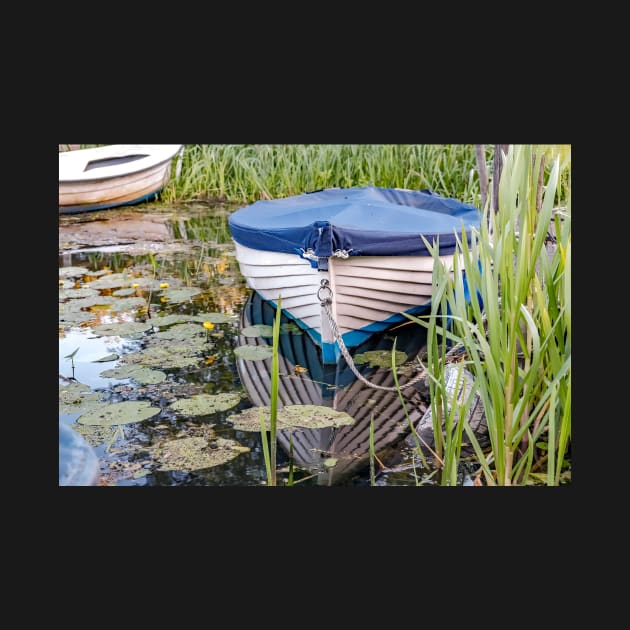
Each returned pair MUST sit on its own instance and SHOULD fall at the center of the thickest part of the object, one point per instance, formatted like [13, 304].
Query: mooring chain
[325, 302]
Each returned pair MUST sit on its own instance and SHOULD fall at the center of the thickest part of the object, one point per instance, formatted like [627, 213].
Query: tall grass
[246, 173]
[515, 329]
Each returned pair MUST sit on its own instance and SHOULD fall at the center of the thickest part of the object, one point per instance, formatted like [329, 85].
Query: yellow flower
[210, 360]
[208, 325]
[163, 299]
[163, 285]
[298, 369]
[60, 283]
[135, 285]
[86, 286]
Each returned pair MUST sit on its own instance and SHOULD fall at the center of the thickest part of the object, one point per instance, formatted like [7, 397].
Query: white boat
[348, 262]
[114, 175]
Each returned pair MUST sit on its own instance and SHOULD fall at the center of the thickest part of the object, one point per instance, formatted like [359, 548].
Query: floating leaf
[195, 453]
[95, 435]
[143, 375]
[77, 398]
[72, 272]
[179, 332]
[74, 294]
[167, 355]
[180, 295]
[119, 413]
[291, 417]
[380, 358]
[107, 359]
[112, 281]
[215, 318]
[204, 404]
[259, 330]
[123, 329]
[124, 292]
[128, 304]
[253, 353]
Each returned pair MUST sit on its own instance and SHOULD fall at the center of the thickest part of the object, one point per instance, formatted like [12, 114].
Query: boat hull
[114, 175]
[368, 294]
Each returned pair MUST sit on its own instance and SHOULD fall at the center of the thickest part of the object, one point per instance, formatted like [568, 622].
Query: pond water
[163, 350]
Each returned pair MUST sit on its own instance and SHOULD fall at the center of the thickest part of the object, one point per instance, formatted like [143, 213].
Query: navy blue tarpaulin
[365, 221]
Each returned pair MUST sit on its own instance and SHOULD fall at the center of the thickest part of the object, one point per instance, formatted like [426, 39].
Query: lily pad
[179, 332]
[107, 359]
[94, 435]
[65, 294]
[165, 355]
[196, 453]
[91, 302]
[143, 375]
[214, 318]
[253, 353]
[292, 417]
[204, 404]
[258, 330]
[74, 317]
[72, 272]
[168, 320]
[380, 358]
[112, 281]
[124, 292]
[128, 304]
[77, 398]
[123, 329]
[119, 413]
[180, 295]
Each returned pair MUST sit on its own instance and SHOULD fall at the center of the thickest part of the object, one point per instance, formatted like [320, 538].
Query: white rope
[326, 302]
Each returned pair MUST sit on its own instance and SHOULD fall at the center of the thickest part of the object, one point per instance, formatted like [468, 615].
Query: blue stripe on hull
[111, 204]
[331, 353]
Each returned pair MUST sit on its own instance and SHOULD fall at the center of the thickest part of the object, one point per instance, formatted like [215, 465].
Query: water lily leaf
[128, 304]
[143, 375]
[168, 320]
[215, 318]
[204, 404]
[195, 453]
[107, 359]
[91, 302]
[258, 330]
[76, 398]
[292, 417]
[122, 329]
[253, 353]
[180, 295]
[119, 413]
[380, 358]
[124, 292]
[95, 435]
[72, 272]
[69, 356]
[73, 294]
[180, 332]
[112, 281]
[143, 472]
[166, 355]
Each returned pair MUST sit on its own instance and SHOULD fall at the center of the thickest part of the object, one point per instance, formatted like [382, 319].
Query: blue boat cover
[362, 221]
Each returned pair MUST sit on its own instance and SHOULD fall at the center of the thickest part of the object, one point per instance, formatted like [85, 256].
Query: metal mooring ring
[328, 298]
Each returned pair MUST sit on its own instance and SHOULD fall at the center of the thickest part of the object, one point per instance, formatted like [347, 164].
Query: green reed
[515, 329]
[245, 173]
[270, 452]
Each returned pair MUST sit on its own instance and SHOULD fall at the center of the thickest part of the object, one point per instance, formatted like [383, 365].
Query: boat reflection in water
[335, 385]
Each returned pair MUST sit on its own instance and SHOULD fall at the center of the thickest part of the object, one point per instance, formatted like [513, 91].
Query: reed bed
[509, 306]
[245, 173]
